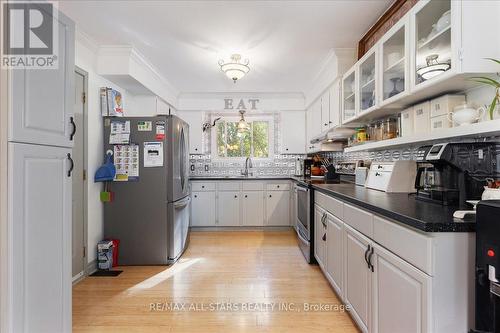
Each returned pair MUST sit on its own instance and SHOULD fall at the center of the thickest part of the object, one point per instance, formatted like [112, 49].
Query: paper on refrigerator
[153, 154]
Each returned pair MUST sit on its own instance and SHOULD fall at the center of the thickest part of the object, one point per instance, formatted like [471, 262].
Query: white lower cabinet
[40, 219]
[400, 295]
[252, 208]
[228, 209]
[374, 271]
[334, 252]
[203, 209]
[358, 276]
[320, 235]
[278, 208]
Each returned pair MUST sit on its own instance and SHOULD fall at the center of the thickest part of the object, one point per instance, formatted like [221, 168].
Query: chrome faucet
[248, 164]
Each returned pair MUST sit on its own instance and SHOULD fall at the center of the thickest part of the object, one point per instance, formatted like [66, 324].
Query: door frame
[86, 272]
[5, 301]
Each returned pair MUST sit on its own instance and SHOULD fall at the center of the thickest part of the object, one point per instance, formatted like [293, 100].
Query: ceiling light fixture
[433, 67]
[242, 124]
[235, 69]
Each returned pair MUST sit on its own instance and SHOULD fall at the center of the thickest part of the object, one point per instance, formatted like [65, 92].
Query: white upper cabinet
[293, 132]
[325, 112]
[349, 95]
[334, 92]
[313, 120]
[433, 51]
[367, 86]
[42, 100]
[195, 121]
[394, 62]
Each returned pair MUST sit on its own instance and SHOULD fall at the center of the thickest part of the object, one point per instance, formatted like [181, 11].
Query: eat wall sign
[242, 104]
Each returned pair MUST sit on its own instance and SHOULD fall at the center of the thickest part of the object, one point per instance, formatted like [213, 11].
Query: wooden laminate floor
[241, 281]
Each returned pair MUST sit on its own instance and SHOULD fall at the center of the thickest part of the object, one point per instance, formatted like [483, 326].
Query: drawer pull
[370, 260]
[366, 256]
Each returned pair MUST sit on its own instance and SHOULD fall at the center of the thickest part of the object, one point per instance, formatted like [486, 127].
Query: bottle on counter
[298, 167]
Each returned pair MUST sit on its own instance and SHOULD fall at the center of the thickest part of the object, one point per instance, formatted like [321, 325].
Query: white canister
[490, 194]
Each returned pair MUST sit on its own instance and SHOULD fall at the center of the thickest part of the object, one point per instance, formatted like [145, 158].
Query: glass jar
[378, 131]
[370, 132]
[361, 134]
[390, 129]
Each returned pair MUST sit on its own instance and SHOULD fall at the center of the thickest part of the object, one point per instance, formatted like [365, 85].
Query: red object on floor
[116, 245]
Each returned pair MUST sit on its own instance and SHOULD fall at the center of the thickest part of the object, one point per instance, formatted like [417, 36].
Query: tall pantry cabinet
[38, 242]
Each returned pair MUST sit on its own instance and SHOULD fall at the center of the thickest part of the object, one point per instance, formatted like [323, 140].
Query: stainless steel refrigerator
[151, 207]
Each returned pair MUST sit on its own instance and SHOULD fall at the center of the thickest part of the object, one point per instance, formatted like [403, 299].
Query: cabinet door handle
[323, 220]
[235, 196]
[72, 164]
[72, 122]
[195, 196]
[366, 254]
[370, 260]
[278, 186]
[246, 196]
[324, 237]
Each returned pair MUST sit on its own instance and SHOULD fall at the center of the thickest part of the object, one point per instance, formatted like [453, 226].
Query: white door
[320, 235]
[228, 209]
[400, 295]
[335, 251]
[252, 208]
[78, 230]
[42, 100]
[357, 283]
[40, 239]
[195, 121]
[203, 209]
[294, 132]
[278, 208]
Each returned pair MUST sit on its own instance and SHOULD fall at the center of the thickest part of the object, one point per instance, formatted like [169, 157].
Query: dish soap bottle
[298, 167]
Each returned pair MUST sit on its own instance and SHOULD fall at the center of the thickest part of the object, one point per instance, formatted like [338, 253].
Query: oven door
[303, 210]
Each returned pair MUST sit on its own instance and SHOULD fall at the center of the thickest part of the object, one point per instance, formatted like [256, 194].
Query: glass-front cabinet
[349, 95]
[394, 58]
[433, 40]
[367, 72]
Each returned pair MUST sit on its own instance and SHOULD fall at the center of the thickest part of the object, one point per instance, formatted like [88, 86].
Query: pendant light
[235, 69]
[433, 67]
[242, 124]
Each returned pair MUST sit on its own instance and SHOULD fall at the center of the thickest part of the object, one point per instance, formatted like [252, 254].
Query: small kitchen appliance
[487, 300]
[451, 173]
[392, 177]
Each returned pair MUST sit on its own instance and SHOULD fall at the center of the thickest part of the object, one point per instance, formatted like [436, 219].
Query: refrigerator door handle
[182, 203]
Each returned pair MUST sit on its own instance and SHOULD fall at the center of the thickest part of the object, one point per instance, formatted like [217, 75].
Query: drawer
[445, 104]
[229, 186]
[278, 187]
[410, 245]
[202, 186]
[331, 205]
[359, 219]
[252, 186]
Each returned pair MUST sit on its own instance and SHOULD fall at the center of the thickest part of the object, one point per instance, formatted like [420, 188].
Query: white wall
[85, 58]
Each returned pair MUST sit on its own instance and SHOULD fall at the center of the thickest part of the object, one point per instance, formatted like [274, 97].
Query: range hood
[334, 134]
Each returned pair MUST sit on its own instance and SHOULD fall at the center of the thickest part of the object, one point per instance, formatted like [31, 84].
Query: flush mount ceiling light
[242, 124]
[433, 67]
[235, 69]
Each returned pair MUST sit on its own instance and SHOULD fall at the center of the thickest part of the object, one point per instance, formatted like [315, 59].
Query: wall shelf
[473, 130]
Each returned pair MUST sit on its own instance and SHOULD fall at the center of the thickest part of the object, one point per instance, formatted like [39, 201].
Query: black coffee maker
[451, 173]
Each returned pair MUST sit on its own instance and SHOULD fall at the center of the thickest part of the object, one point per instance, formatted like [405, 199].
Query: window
[256, 142]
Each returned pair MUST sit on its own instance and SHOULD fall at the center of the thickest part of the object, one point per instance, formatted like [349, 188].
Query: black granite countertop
[240, 178]
[402, 207]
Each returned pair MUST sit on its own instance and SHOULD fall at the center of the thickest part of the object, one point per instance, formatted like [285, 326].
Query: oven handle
[301, 188]
[300, 236]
